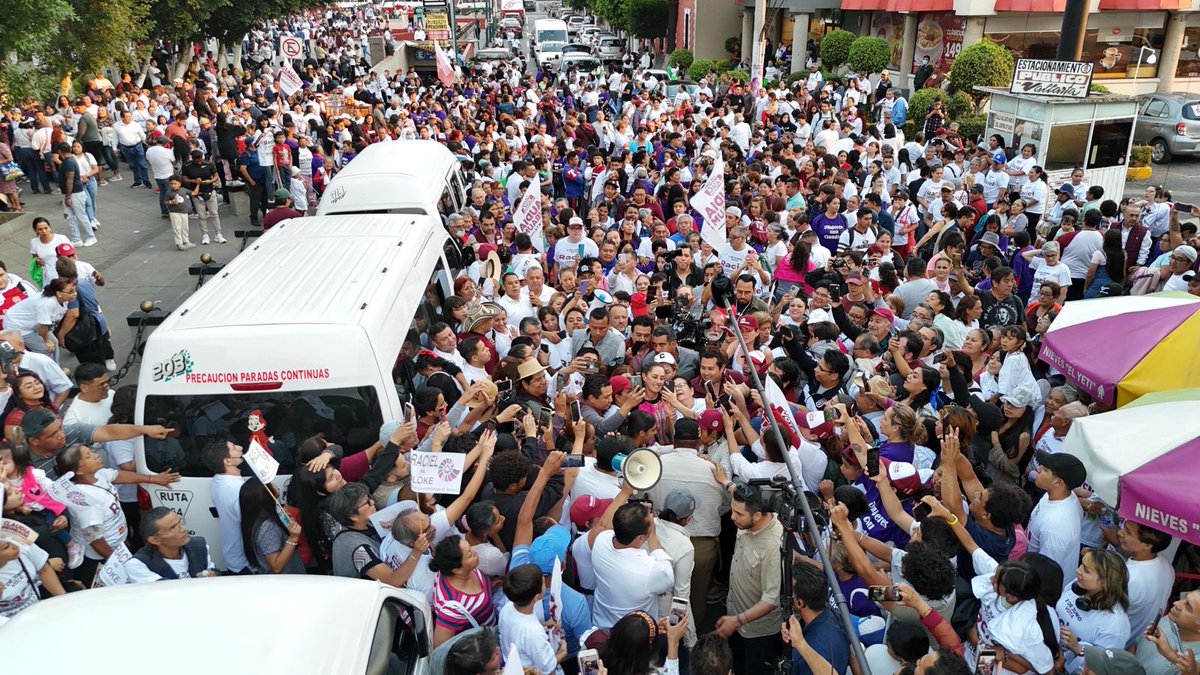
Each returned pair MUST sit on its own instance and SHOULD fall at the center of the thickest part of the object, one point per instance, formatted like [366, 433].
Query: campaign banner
[289, 80]
[438, 473]
[261, 462]
[528, 214]
[113, 572]
[17, 533]
[709, 202]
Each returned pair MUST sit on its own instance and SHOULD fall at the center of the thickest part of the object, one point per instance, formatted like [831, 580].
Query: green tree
[983, 64]
[682, 58]
[646, 19]
[99, 35]
[835, 48]
[869, 54]
[235, 20]
[700, 68]
[26, 29]
[612, 11]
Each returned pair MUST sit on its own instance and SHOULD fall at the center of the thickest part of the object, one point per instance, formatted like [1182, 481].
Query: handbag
[11, 172]
[83, 334]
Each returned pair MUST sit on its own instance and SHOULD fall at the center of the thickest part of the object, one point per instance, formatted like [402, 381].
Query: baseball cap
[386, 431]
[282, 194]
[1103, 661]
[620, 383]
[999, 157]
[712, 419]
[65, 250]
[1065, 189]
[746, 322]
[822, 431]
[552, 544]
[1062, 464]
[733, 211]
[36, 421]
[904, 477]
[1186, 251]
[680, 502]
[587, 508]
[664, 357]
[687, 429]
[1020, 397]
[575, 220]
[884, 312]
[855, 279]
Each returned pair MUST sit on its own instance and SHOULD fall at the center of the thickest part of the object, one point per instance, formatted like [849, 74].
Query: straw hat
[484, 311]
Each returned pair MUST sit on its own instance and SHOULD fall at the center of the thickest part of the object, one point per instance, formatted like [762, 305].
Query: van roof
[196, 626]
[317, 270]
[411, 172]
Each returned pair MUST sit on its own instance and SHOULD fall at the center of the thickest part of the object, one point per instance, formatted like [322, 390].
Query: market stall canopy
[1142, 458]
[1118, 349]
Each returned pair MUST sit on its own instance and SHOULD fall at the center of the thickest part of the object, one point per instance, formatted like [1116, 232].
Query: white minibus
[411, 177]
[314, 325]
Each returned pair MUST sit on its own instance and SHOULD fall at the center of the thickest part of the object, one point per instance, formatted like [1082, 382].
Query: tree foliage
[983, 64]
[645, 18]
[835, 48]
[869, 55]
[612, 11]
[235, 20]
[700, 68]
[681, 58]
[99, 35]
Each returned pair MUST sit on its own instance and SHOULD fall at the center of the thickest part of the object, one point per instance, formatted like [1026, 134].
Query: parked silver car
[1169, 123]
[611, 48]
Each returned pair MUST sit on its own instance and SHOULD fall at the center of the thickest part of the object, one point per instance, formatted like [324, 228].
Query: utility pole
[1074, 25]
[453, 31]
[757, 57]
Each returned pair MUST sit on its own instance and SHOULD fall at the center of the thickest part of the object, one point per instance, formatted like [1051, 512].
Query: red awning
[1031, 5]
[1145, 5]
[865, 5]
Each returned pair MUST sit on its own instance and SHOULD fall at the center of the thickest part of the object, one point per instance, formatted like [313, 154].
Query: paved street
[136, 253]
[1181, 176]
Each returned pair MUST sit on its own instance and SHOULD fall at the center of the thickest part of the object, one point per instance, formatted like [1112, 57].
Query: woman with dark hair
[918, 390]
[1011, 445]
[462, 596]
[634, 645]
[98, 524]
[37, 316]
[792, 269]
[1107, 265]
[1045, 303]
[270, 542]
[639, 427]
[942, 306]
[28, 392]
[472, 652]
[482, 524]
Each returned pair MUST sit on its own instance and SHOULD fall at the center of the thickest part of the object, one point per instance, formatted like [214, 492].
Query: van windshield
[552, 35]
[349, 417]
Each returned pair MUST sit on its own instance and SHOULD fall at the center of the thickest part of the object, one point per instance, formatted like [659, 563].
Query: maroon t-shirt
[278, 215]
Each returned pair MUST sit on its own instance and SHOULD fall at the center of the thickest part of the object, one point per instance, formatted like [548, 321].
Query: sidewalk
[136, 254]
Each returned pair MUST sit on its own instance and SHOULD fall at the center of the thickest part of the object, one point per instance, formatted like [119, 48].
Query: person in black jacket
[170, 552]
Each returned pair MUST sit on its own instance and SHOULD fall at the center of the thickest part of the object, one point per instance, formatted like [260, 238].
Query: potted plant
[1139, 163]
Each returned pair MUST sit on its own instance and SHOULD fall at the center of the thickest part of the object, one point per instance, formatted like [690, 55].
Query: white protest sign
[290, 47]
[438, 473]
[289, 80]
[556, 592]
[528, 214]
[113, 572]
[709, 202]
[261, 463]
[17, 533]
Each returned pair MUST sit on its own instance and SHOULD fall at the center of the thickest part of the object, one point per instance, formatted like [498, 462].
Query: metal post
[809, 523]
[1074, 25]
[453, 31]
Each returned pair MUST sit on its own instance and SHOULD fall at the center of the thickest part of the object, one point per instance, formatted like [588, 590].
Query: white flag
[709, 202]
[445, 67]
[528, 214]
[781, 410]
[556, 602]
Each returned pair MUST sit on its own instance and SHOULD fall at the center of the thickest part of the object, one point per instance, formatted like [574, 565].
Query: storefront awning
[1145, 5]
[1056, 6]
[900, 5]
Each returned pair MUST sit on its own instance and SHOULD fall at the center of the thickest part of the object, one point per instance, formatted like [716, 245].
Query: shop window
[1189, 54]
[1114, 58]
[1110, 140]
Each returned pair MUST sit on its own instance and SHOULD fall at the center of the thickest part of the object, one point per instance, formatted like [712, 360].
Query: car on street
[611, 48]
[577, 48]
[510, 23]
[574, 23]
[671, 89]
[1169, 124]
[583, 63]
[492, 54]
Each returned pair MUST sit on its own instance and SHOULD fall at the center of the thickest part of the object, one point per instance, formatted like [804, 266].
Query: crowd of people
[891, 280]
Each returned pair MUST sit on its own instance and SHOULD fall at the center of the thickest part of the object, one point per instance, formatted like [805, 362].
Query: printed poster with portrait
[889, 26]
[940, 37]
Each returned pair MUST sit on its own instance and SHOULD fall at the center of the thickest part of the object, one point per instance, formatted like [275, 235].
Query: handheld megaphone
[602, 297]
[641, 468]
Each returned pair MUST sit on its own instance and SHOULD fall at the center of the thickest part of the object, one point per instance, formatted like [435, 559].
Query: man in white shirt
[1150, 575]
[514, 303]
[1055, 525]
[225, 459]
[568, 251]
[628, 578]
[162, 167]
[684, 469]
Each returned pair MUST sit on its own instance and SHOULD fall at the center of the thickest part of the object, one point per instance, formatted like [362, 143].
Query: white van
[411, 177]
[549, 37]
[199, 626]
[313, 325]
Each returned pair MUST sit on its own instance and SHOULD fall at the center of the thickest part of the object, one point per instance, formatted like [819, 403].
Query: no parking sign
[290, 47]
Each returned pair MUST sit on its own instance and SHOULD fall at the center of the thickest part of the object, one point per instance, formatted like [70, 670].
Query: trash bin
[237, 195]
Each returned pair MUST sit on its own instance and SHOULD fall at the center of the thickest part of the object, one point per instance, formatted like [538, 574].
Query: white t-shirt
[1077, 256]
[566, 252]
[627, 580]
[1095, 628]
[48, 255]
[162, 162]
[28, 314]
[731, 260]
[96, 513]
[1038, 190]
[1149, 588]
[1060, 274]
[994, 182]
[16, 591]
[394, 554]
[529, 636]
[581, 553]
[1054, 531]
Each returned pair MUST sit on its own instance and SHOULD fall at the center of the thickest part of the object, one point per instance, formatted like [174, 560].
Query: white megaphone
[641, 468]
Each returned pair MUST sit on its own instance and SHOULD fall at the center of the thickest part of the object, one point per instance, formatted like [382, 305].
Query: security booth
[1070, 128]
